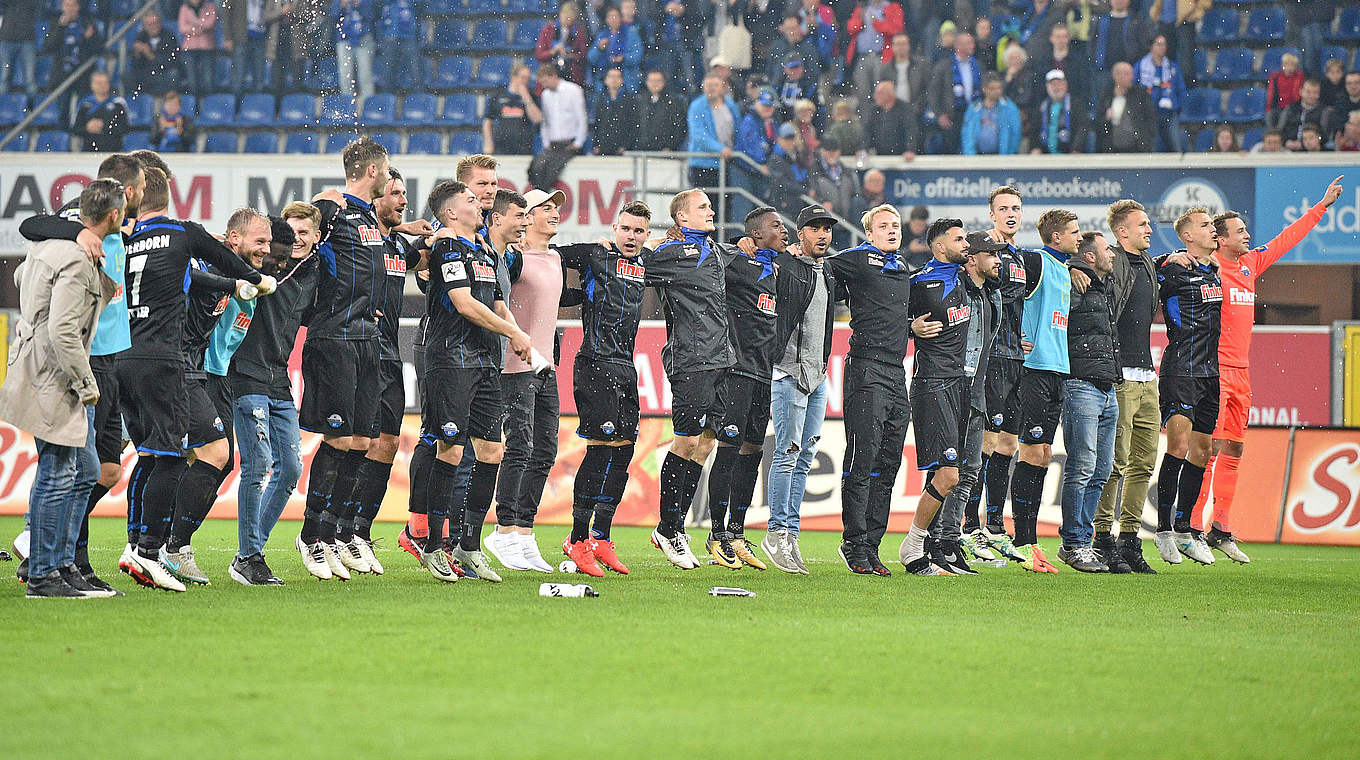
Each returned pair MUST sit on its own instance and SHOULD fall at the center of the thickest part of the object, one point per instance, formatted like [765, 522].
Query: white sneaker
[20, 545]
[438, 565]
[333, 560]
[476, 563]
[366, 549]
[506, 549]
[152, 574]
[528, 546]
[351, 556]
[1166, 546]
[1228, 545]
[125, 560]
[683, 538]
[314, 559]
[674, 549]
[1194, 547]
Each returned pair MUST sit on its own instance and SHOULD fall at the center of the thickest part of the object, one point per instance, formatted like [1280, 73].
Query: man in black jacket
[1090, 406]
[890, 129]
[1126, 117]
[660, 116]
[101, 117]
[804, 291]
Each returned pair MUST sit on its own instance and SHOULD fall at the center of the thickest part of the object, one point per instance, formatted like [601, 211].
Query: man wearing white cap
[1058, 127]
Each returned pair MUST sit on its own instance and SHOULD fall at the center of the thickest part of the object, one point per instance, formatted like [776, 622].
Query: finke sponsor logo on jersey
[483, 272]
[1241, 297]
[221, 305]
[241, 322]
[148, 244]
[1059, 321]
[1211, 293]
[370, 235]
[959, 314]
[766, 303]
[630, 270]
[1017, 272]
[396, 265]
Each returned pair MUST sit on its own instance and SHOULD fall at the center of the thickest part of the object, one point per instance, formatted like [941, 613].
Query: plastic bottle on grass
[566, 589]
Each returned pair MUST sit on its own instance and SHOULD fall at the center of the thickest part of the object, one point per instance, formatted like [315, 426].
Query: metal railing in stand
[80, 71]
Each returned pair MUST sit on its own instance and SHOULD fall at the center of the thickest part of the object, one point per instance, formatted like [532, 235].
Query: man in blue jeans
[803, 296]
[264, 416]
[1090, 408]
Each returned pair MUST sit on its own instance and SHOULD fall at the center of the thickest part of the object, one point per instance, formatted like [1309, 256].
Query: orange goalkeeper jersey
[1239, 287]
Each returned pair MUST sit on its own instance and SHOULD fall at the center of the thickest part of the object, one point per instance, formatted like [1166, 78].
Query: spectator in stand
[1309, 23]
[680, 38]
[593, 13]
[661, 116]
[755, 139]
[399, 30]
[198, 24]
[1310, 139]
[1348, 139]
[719, 65]
[871, 29]
[889, 129]
[1176, 20]
[70, 40]
[155, 61]
[1062, 55]
[251, 34]
[646, 30]
[954, 85]
[172, 131]
[1308, 109]
[1022, 84]
[991, 126]
[944, 42]
[804, 111]
[795, 84]
[788, 178]
[792, 43]
[1225, 141]
[512, 117]
[1162, 79]
[819, 25]
[615, 116]
[909, 74]
[1058, 126]
[304, 40]
[712, 122]
[17, 46]
[619, 47]
[354, 24]
[101, 117]
[1282, 89]
[918, 249]
[1118, 36]
[984, 43]
[1350, 100]
[761, 17]
[844, 129]
[1271, 142]
[872, 193]
[1126, 118]
[829, 182]
[1333, 82]
[564, 44]
[1036, 24]
[565, 125]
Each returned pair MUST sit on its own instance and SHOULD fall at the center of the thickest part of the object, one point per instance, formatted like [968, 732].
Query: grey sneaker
[476, 562]
[438, 565]
[181, 564]
[1192, 545]
[797, 554]
[776, 547]
[1082, 559]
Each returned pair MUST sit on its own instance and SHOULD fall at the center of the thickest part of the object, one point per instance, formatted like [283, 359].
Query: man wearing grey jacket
[50, 390]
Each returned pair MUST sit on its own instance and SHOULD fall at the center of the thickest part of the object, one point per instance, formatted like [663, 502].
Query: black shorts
[392, 397]
[152, 400]
[746, 410]
[606, 396]
[939, 407]
[108, 422]
[339, 387]
[224, 401]
[205, 424]
[1003, 397]
[462, 403]
[697, 401]
[1041, 403]
[1195, 398]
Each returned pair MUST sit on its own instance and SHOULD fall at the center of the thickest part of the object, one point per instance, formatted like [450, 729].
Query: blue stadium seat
[1338, 52]
[1252, 137]
[1233, 64]
[297, 108]
[221, 142]
[13, 108]
[1204, 104]
[380, 109]
[189, 104]
[336, 141]
[1265, 25]
[1348, 25]
[256, 110]
[419, 109]
[449, 34]
[452, 71]
[493, 71]
[526, 34]
[1246, 104]
[444, 7]
[1271, 62]
[460, 110]
[338, 110]
[1219, 25]
[54, 115]
[425, 143]
[489, 34]
[262, 142]
[302, 142]
[486, 7]
[139, 140]
[1199, 64]
[18, 144]
[389, 140]
[217, 110]
[1204, 140]
[222, 72]
[42, 71]
[463, 143]
[141, 107]
[54, 141]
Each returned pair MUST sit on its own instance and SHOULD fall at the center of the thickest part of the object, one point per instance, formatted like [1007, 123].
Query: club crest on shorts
[951, 454]
[607, 427]
[731, 431]
[449, 429]
[1036, 432]
[997, 419]
[217, 423]
[335, 420]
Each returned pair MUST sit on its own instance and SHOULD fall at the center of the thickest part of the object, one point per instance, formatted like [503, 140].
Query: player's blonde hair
[475, 161]
[1183, 220]
[301, 210]
[679, 201]
[1119, 211]
[868, 216]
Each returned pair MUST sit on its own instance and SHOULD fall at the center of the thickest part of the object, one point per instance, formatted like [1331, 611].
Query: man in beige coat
[50, 391]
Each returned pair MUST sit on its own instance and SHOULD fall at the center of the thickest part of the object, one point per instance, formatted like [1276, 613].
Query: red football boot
[581, 553]
[603, 549]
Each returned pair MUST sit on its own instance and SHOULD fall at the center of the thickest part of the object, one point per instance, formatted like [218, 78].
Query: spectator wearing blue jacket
[354, 27]
[713, 119]
[991, 125]
[618, 46]
[399, 29]
[1162, 79]
[755, 139]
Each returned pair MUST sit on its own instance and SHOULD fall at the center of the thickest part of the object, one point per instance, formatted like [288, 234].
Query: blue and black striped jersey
[691, 276]
[1192, 305]
[751, 312]
[613, 286]
[452, 340]
[351, 253]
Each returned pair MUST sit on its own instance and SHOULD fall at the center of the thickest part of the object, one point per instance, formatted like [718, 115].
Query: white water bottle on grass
[566, 589]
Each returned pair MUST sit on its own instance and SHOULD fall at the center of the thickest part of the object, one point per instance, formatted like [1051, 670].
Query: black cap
[812, 214]
[981, 241]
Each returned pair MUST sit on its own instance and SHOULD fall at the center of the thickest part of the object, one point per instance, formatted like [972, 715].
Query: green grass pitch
[1223, 661]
